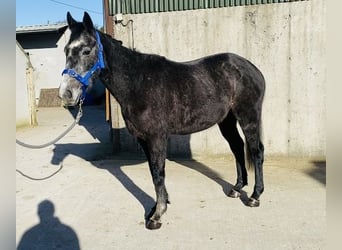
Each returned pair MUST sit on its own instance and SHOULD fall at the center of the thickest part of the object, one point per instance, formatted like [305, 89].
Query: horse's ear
[87, 22]
[71, 21]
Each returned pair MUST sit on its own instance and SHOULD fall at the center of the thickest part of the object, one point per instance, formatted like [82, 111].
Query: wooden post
[108, 28]
[31, 96]
[112, 107]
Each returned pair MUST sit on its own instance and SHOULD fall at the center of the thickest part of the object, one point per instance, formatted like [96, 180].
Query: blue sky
[35, 12]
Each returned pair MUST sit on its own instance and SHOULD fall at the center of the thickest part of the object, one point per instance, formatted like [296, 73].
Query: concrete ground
[96, 200]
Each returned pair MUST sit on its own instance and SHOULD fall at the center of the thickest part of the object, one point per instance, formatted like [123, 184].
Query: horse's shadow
[96, 153]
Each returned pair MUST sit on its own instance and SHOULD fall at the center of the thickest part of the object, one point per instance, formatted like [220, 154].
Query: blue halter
[98, 65]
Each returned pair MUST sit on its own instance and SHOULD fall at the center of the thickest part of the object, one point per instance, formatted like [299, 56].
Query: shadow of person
[50, 233]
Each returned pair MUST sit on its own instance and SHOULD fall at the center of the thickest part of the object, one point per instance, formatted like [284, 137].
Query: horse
[160, 97]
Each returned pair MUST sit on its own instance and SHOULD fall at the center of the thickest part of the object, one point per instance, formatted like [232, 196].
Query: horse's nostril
[68, 94]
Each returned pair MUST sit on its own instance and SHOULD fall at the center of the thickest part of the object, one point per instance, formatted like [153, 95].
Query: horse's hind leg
[155, 150]
[231, 134]
[255, 151]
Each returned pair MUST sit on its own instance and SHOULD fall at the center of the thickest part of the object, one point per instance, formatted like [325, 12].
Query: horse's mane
[134, 52]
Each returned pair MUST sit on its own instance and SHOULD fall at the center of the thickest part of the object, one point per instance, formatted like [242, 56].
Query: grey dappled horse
[160, 97]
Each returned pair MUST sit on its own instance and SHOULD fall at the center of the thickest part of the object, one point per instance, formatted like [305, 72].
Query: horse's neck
[118, 76]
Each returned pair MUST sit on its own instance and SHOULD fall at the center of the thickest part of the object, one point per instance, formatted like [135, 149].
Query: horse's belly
[191, 122]
[190, 129]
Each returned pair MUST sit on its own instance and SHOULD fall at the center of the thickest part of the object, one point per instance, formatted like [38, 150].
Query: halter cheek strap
[98, 65]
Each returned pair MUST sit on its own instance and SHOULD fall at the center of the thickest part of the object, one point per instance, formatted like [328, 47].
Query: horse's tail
[249, 157]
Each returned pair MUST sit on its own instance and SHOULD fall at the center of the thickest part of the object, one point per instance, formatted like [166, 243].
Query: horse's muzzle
[69, 97]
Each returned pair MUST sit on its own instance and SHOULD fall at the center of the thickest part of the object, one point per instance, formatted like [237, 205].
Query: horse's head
[84, 60]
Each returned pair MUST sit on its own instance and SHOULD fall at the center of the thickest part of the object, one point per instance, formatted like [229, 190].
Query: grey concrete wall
[22, 104]
[286, 41]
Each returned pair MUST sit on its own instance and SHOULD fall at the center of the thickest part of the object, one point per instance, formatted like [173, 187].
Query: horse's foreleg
[156, 153]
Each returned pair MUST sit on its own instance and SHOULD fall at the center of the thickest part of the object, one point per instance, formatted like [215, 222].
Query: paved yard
[98, 201]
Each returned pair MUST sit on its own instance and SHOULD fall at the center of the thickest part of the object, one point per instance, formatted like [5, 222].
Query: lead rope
[42, 178]
[76, 121]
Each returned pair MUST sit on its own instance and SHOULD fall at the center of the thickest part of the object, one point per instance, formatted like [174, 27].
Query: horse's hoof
[234, 194]
[152, 224]
[253, 202]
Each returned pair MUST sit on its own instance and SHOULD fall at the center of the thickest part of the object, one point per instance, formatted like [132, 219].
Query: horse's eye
[86, 52]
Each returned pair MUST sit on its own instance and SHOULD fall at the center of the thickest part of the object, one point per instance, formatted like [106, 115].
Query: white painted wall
[48, 64]
[286, 41]
[22, 103]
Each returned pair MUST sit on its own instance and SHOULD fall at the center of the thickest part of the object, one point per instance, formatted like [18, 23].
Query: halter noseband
[98, 65]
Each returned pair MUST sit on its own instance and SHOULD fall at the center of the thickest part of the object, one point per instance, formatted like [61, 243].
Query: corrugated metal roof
[149, 6]
[41, 28]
